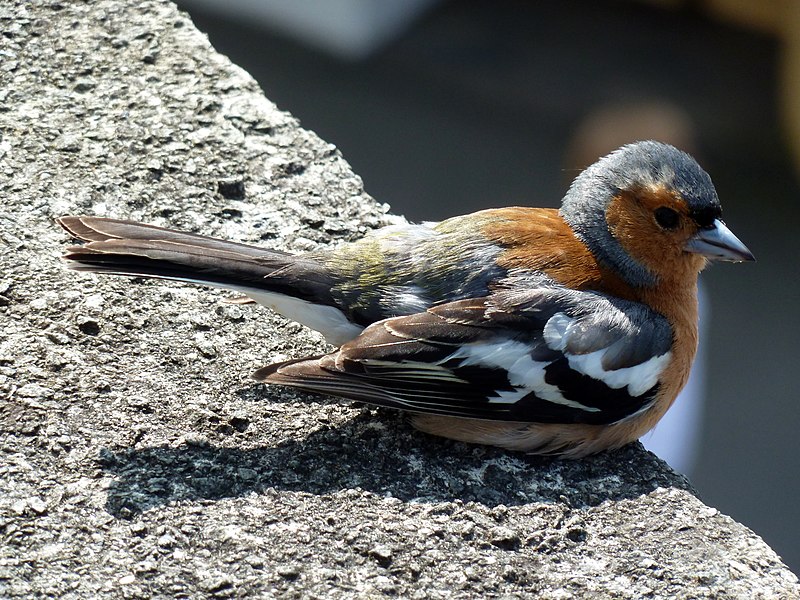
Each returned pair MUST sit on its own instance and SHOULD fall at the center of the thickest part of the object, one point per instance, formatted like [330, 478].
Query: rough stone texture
[139, 460]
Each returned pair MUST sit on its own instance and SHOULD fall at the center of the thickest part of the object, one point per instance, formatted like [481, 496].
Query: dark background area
[479, 103]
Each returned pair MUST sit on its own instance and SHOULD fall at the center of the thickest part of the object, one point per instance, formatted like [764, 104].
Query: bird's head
[650, 212]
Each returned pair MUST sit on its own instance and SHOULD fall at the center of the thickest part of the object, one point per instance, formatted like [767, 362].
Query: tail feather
[136, 249]
[298, 287]
[99, 229]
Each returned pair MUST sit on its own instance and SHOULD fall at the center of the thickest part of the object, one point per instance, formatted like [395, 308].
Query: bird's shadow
[382, 454]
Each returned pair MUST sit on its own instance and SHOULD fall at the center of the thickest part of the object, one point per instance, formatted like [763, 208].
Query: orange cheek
[631, 222]
[626, 221]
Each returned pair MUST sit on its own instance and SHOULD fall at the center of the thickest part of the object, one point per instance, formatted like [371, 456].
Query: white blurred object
[675, 438]
[351, 29]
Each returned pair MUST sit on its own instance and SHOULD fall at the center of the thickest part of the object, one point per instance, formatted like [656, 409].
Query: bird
[564, 331]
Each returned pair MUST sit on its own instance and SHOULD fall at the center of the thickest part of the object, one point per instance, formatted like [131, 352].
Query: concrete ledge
[139, 460]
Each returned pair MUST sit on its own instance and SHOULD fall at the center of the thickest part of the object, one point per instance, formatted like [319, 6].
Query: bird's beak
[718, 243]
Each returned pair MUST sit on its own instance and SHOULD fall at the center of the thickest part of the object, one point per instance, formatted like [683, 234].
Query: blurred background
[445, 107]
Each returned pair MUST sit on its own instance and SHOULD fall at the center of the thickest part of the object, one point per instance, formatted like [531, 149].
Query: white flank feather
[329, 321]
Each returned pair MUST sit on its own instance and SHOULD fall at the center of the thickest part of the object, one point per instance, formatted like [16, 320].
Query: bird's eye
[666, 217]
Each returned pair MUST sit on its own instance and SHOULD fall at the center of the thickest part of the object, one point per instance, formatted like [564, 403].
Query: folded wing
[540, 353]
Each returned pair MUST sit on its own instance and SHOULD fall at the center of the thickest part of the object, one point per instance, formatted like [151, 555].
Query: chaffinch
[564, 331]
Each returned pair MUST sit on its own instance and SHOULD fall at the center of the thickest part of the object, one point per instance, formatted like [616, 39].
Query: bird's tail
[128, 248]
